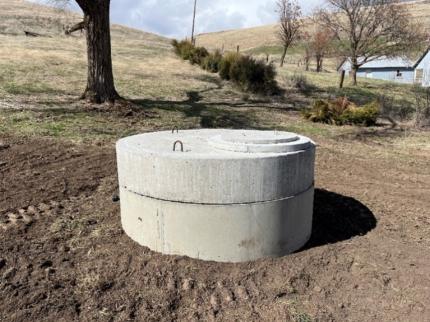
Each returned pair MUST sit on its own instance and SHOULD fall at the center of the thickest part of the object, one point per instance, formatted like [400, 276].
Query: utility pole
[193, 40]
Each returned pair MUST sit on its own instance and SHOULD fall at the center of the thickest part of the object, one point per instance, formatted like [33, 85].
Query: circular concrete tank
[222, 195]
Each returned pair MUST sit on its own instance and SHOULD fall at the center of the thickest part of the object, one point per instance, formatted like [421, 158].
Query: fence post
[342, 78]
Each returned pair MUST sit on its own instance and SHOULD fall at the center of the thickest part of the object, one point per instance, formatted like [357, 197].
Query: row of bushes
[341, 112]
[259, 77]
[248, 73]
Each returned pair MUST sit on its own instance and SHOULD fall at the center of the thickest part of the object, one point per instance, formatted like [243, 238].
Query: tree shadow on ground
[398, 108]
[211, 114]
[338, 218]
[383, 131]
[359, 95]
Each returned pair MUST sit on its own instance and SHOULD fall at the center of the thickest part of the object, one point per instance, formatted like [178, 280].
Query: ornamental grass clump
[341, 111]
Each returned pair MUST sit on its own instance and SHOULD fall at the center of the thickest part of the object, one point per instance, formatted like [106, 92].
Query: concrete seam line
[221, 204]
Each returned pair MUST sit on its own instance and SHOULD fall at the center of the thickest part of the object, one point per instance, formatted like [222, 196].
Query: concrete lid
[216, 166]
[259, 137]
[259, 142]
[217, 143]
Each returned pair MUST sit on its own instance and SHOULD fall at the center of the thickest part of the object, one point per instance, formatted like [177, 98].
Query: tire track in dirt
[75, 263]
[45, 170]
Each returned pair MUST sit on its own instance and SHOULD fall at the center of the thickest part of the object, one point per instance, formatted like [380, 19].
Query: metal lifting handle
[175, 128]
[182, 145]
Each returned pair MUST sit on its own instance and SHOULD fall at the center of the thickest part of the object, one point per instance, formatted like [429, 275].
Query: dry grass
[263, 37]
[41, 78]
[247, 38]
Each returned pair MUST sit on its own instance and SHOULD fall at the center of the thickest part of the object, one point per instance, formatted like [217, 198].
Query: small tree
[306, 37]
[100, 82]
[320, 44]
[290, 24]
[369, 29]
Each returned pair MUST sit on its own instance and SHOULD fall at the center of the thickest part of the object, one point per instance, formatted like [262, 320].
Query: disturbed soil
[64, 256]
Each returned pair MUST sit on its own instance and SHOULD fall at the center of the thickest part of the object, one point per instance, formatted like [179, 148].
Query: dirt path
[64, 257]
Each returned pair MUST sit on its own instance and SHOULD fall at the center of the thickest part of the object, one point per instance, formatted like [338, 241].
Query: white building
[395, 69]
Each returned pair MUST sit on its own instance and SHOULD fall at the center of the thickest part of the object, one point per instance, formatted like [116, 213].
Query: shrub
[212, 62]
[198, 54]
[175, 45]
[250, 74]
[341, 111]
[319, 112]
[364, 115]
[187, 51]
[225, 65]
[183, 48]
[328, 111]
[244, 71]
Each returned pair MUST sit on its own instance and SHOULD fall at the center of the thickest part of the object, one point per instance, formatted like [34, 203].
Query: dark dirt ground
[64, 257]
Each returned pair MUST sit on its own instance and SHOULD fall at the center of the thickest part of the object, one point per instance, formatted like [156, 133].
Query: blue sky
[173, 17]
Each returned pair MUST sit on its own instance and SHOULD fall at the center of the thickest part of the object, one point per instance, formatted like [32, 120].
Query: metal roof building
[396, 69]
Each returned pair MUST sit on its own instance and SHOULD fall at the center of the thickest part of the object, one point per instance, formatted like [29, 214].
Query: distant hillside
[19, 15]
[265, 37]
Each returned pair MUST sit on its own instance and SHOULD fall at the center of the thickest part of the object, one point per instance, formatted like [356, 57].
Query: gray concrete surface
[209, 175]
[223, 233]
[231, 195]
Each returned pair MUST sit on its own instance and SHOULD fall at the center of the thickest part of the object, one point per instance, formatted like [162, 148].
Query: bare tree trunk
[284, 53]
[354, 74]
[319, 64]
[100, 83]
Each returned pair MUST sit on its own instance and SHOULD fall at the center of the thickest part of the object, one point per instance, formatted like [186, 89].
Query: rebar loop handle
[180, 142]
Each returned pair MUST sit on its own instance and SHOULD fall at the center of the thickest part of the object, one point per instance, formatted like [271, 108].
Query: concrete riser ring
[223, 233]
